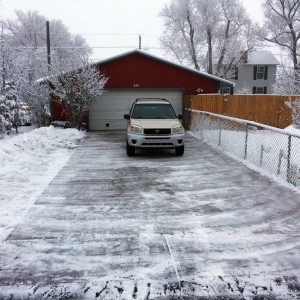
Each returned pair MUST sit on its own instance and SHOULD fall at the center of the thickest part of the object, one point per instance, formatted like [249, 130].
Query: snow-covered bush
[12, 116]
[295, 107]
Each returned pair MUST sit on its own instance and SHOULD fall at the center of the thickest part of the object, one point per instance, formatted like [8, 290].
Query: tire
[130, 150]
[179, 151]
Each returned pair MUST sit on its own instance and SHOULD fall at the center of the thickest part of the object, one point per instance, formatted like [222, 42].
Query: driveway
[155, 226]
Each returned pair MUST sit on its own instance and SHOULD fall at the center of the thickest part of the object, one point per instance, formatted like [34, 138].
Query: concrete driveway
[155, 226]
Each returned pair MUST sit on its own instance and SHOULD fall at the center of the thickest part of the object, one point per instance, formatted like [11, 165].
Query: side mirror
[127, 116]
[180, 117]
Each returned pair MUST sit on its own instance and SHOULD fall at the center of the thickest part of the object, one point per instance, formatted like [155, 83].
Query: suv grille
[157, 131]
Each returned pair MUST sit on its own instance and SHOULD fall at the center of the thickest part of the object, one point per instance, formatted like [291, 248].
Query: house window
[225, 90]
[260, 72]
[236, 73]
[259, 90]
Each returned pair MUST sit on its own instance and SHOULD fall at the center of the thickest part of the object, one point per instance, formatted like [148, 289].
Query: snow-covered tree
[244, 90]
[295, 108]
[76, 83]
[4, 111]
[287, 81]
[13, 116]
[37, 97]
[282, 27]
[208, 34]
[27, 35]
[10, 76]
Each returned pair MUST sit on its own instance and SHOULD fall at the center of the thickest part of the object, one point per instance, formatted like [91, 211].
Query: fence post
[289, 158]
[246, 142]
[220, 132]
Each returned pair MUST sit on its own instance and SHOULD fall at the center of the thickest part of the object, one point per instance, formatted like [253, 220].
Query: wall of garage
[140, 71]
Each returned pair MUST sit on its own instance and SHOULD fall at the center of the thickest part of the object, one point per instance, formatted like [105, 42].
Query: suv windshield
[153, 111]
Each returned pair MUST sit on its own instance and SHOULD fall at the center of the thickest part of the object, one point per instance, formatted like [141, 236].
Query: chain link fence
[273, 150]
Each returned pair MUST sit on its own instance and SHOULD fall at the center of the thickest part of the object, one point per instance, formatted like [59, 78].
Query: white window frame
[225, 90]
[260, 73]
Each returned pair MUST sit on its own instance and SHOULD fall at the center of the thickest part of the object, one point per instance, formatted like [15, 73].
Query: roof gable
[164, 61]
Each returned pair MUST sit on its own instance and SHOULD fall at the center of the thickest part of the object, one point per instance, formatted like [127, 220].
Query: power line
[95, 47]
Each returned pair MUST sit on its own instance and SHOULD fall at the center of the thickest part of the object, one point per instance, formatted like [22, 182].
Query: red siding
[147, 72]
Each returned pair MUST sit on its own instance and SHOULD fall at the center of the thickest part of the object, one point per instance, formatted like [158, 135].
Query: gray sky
[113, 23]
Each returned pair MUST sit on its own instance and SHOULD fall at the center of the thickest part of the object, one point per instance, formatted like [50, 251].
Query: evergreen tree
[12, 115]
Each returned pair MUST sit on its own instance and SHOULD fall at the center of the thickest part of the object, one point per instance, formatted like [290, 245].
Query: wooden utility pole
[140, 42]
[49, 63]
[2, 59]
[48, 43]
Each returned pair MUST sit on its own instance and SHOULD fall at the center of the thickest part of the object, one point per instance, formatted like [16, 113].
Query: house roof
[262, 58]
[200, 73]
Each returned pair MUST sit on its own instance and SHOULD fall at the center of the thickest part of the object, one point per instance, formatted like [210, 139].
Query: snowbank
[28, 163]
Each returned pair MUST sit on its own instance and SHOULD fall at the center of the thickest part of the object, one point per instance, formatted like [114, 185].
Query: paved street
[154, 226]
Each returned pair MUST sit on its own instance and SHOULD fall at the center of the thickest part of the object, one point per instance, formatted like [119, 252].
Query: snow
[28, 163]
[292, 130]
[262, 58]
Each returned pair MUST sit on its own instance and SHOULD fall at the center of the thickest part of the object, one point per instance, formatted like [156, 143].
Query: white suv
[153, 123]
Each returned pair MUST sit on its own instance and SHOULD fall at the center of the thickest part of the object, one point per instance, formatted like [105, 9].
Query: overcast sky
[109, 23]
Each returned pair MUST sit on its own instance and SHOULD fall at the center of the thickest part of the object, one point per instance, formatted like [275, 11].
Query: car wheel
[130, 150]
[179, 151]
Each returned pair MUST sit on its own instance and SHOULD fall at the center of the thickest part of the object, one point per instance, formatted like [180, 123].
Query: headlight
[135, 129]
[177, 129]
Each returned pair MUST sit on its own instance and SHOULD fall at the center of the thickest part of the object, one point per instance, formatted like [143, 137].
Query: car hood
[155, 123]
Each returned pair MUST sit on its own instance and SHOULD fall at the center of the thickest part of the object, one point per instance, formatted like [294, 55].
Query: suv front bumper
[154, 141]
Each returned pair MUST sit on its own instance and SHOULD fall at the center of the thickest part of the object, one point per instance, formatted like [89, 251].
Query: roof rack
[151, 98]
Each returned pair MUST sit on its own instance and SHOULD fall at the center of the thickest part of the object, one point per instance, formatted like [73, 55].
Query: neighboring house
[256, 74]
[137, 74]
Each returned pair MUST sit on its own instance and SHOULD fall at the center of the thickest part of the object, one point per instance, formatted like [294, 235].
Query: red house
[137, 74]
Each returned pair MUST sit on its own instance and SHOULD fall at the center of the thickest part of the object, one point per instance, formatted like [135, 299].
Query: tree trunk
[209, 42]
[193, 50]
[221, 58]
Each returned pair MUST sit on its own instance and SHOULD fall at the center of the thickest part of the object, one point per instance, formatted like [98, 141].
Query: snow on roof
[262, 58]
[168, 62]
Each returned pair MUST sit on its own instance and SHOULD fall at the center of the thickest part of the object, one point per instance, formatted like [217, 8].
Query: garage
[137, 74]
[107, 111]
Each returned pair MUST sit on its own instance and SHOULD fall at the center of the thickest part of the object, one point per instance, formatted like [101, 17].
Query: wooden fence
[266, 109]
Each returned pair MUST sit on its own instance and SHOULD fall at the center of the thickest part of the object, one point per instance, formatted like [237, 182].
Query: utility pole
[49, 64]
[48, 44]
[2, 59]
[140, 42]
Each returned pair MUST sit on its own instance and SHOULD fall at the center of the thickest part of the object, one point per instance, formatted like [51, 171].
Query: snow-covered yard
[28, 163]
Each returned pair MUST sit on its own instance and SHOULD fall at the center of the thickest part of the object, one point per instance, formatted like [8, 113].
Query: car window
[153, 111]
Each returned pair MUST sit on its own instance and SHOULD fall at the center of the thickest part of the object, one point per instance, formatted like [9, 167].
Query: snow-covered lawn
[28, 163]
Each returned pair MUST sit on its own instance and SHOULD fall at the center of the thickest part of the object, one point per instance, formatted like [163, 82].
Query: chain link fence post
[220, 132]
[246, 143]
[288, 171]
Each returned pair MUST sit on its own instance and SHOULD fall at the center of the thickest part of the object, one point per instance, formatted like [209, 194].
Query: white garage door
[107, 111]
